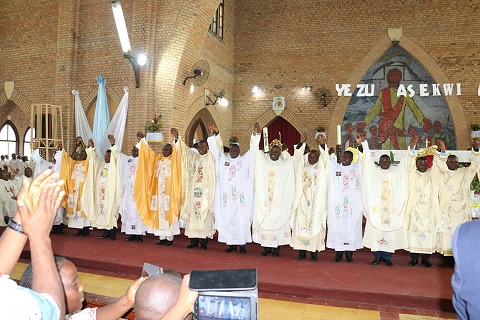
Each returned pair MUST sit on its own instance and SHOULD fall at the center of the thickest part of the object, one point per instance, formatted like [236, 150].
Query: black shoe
[243, 250]
[164, 241]
[427, 263]
[349, 256]
[313, 256]
[139, 238]
[130, 238]
[388, 263]
[105, 234]
[301, 255]
[338, 256]
[85, 231]
[113, 234]
[203, 244]
[266, 252]
[413, 262]
[275, 252]
[79, 233]
[168, 243]
[376, 261]
[60, 228]
[190, 246]
[231, 248]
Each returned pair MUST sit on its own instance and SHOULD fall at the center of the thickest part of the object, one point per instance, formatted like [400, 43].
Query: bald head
[156, 296]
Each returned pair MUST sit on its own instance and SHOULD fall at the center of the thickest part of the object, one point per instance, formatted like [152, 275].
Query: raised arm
[119, 307]
[37, 224]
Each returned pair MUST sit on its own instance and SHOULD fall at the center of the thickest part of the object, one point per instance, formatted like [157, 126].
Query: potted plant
[155, 124]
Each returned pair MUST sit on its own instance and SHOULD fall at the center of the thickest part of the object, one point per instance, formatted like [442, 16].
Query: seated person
[74, 295]
[37, 203]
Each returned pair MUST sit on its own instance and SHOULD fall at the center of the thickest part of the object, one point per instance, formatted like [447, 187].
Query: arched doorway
[281, 129]
[197, 129]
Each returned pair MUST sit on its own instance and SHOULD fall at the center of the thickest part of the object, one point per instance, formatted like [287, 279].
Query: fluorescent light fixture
[255, 89]
[142, 59]
[192, 88]
[121, 26]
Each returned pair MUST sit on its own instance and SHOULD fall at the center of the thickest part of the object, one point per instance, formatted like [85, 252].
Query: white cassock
[274, 186]
[131, 222]
[345, 205]
[233, 194]
[101, 192]
[309, 218]
[422, 213]
[8, 206]
[384, 197]
[41, 165]
[454, 196]
[198, 179]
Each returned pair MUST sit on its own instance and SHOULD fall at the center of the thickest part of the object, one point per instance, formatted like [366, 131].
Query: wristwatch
[15, 226]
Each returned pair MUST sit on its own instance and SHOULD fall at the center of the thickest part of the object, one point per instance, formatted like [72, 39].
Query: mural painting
[388, 116]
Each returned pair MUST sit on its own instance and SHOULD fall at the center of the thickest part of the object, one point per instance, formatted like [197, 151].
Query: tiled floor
[274, 307]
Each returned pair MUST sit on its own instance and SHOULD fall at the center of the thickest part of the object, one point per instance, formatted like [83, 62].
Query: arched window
[27, 148]
[8, 139]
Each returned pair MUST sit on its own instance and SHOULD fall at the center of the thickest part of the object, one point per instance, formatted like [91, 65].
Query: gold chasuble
[158, 186]
[73, 172]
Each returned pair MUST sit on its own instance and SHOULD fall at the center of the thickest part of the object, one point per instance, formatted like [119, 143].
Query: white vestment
[233, 194]
[422, 213]
[309, 218]
[345, 205]
[131, 222]
[274, 186]
[454, 196]
[384, 195]
[40, 165]
[8, 206]
[198, 179]
[101, 192]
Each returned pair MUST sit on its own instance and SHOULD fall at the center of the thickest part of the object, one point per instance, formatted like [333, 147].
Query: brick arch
[18, 98]
[269, 116]
[202, 117]
[459, 120]
[182, 47]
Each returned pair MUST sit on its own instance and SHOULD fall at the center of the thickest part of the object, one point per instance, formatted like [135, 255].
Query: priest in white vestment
[309, 218]
[40, 165]
[345, 204]
[132, 225]
[233, 193]
[384, 191]
[101, 194]
[8, 198]
[422, 212]
[198, 181]
[274, 187]
[454, 196]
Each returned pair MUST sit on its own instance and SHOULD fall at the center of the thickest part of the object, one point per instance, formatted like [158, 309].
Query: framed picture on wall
[278, 103]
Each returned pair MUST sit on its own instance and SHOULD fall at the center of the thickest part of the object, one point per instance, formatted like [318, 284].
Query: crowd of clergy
[311, 200]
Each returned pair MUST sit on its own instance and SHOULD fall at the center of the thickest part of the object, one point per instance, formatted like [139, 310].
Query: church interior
[292, 66]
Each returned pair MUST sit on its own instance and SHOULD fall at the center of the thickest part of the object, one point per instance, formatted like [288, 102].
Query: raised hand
[321, 138]
[256, 127]
[174, 132]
